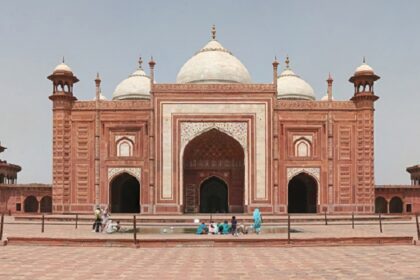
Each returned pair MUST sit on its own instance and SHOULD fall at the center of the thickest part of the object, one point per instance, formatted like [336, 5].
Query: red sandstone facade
[259, 147]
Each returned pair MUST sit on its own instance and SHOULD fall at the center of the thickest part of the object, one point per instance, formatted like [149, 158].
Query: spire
[287, 61]
[329, 89]
[275, 74]
[140, 62]
[213, 32]
[98, 86]
[152, 71]
[364, 59]
[63, 58]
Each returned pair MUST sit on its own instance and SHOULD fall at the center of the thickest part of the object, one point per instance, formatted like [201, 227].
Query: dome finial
[364, 59]
[287, 61]
[140, 62]
[213, 32]
[63, 58]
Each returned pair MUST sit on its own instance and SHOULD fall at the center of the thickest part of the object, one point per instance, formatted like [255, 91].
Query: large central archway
[124, 194]
[220, 158]
[302, 197]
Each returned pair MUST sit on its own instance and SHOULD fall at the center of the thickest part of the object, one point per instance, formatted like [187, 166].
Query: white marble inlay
[216, 109]
[114, 171]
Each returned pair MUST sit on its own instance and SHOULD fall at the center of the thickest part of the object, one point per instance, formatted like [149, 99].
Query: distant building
[399, 198]
[214, 141]
[21, 198]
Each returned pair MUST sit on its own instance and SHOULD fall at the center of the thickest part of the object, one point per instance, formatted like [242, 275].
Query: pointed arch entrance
[302, 194]
[220, 158]
[213, 196]
[124, 194]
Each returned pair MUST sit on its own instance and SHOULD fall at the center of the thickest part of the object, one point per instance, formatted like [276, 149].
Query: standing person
[257, 220]
[97, 223]
[105, 218]
[234, 223]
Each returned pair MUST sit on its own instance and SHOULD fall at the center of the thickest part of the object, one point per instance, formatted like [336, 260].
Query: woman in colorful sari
[257, 220]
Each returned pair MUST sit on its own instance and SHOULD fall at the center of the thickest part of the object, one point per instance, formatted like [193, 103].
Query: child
[234, 223]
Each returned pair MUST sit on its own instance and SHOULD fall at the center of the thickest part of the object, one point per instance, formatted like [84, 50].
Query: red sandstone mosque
[217, 142]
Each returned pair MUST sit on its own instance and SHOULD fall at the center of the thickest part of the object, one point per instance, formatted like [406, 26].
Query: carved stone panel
[293, 171]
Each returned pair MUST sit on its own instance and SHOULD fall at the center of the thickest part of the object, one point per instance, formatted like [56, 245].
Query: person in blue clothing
[226, 227]
[202, 229]
[257, 221]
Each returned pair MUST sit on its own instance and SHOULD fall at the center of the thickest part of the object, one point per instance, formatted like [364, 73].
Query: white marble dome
[364, 68]
[136, 86]
[213, 64]
[62, 67]
[291, 86]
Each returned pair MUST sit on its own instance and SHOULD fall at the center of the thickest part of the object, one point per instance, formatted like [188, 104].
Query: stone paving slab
[47, 263]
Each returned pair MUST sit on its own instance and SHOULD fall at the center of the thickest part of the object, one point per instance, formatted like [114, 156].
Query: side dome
[291, 86]
[136, 86]
[213, 64]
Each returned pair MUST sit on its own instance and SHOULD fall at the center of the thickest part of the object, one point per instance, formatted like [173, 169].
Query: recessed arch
[124, 194]
[125, 147]
[396, 205]
[302, 194]
[46, 204]
[302, 147]
[381, 205]
[214, 196]
[213, 154]
[30, 204]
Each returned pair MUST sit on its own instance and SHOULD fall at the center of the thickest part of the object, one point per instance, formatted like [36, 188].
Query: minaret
[275, 71]
[97, 139]
[329, 89]
[364, 98]
[151, 133]
[62, 97]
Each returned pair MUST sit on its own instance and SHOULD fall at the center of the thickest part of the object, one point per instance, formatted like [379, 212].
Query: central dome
[213, 64]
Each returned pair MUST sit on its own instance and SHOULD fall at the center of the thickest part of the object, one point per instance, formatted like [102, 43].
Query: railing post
[325, 218]
[380, 222]
[42, 227]
[352, 220]
[135, 229]
[77, 220]
[418, 227]
[2, 224]
[288, 229]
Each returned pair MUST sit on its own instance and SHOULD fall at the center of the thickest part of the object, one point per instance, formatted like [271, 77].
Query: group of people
[103, 223]
[232, 228]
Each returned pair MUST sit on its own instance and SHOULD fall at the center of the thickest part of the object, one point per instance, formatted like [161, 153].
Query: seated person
[212, 228]
[216, 228]
[112, 227]
[226, 227]
[202, 229]
[242, 229]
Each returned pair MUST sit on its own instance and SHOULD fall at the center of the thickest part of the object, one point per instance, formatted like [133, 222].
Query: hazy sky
[108, 36]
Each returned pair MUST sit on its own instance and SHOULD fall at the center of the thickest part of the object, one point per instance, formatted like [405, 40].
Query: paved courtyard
[373, 262]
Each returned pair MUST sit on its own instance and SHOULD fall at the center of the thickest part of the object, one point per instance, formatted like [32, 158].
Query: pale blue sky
[108, 36]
